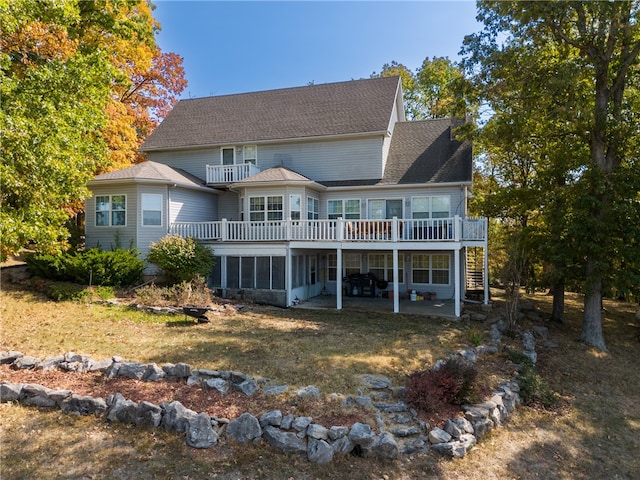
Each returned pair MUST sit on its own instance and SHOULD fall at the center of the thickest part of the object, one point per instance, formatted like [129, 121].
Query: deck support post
[339, 278]
[396, 284]
[457, 279]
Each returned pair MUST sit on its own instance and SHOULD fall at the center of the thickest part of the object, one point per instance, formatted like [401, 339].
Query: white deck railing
[230, 173]
[395, 230]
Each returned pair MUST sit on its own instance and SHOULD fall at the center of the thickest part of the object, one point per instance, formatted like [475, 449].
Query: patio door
[385, 209]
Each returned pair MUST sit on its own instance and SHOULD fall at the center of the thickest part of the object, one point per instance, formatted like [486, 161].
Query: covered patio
[436, 308]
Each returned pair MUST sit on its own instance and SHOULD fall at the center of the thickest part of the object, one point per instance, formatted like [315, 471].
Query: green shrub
[194, 293]
[454, 382]
[181, 259]
[534, 389]
[90, 267]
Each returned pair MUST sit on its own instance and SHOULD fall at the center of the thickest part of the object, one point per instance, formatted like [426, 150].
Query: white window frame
[253, 159]
[295, 208]
[387, 265]
[143, 209]
[110, 210]
[222, 149]
[266, 212]
[385, 200]
[430, 201]
[351, 263]
[431, 267]
[343, 209]
[313, 208]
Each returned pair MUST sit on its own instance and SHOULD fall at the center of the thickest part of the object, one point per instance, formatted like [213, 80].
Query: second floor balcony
[225, 174]
[455, 229]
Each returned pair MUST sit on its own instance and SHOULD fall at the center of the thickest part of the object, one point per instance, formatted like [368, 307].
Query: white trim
[222, 149]
[142, 210]
[110, 195]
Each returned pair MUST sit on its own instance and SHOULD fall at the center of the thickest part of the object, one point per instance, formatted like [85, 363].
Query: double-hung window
[295, 206]
[430, 269]
[313, 208]
[250, 154]
[347, 209]
[266, 208]
[151, 209]
[381, 265]
[111, 210]
[431, 207]
[351, 264]
[384, 209]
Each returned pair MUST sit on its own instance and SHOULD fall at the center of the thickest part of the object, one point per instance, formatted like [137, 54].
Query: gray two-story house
[300, 192]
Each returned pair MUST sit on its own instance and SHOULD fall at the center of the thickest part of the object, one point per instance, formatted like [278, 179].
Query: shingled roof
[423, 152]
[154, 172]
[354, 107]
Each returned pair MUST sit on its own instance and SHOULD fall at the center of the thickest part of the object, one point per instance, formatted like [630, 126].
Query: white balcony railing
[406, 230]
[217, 174]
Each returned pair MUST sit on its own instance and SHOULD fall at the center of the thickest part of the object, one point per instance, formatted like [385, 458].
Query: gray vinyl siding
[229, 206]
[191, 161]
[108, 238]
[353, 159]
[191, 206]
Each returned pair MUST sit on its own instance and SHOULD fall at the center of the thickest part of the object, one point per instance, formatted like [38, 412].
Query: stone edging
[287, 433]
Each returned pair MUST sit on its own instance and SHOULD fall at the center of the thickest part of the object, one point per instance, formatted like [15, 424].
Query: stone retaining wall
[400, 430]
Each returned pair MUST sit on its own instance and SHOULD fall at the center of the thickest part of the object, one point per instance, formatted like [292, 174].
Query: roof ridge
[272, 90]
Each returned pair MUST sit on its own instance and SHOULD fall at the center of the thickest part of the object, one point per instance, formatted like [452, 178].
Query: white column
[339, 279]
[485, 251]
[289, 278]
[396, 284]
[457, 280]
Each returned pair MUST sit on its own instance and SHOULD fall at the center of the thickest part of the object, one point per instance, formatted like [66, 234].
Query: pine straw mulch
[196, 398]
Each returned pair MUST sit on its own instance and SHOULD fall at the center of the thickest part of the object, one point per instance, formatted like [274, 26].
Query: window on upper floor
[111, 210]
[266, 208]
[385, 208]
[431, 207]
[151, 209]
[250, 154]
[347, 209]
[295, 207]
[313, 208]
[228, 155]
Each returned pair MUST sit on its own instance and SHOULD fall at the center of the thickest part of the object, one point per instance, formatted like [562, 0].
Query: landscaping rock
[84, 405]
[361, 434]
[419, 445]
[244, 429]
[337, 432]
[275, 389]
[200, 433]
[7, 358]
[10, 392]
[50, 363]
[274, 417]
[385, 446]
[437, 435]
[176, 417]
[25, 362]
[248, 387]
[132, 370]
[317, 431]
[319, 451]
[100, 365]
[39, 396]
[121, 409]
[287, 422]
[378, 382]
[285, 441]
[309, 391]
[218, 384]
[179, 370]
[153, 373]
[149, 415]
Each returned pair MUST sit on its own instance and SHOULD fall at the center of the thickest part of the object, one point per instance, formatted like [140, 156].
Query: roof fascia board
[395, 186]
[278, 183]
[271, 141]
[148, 181]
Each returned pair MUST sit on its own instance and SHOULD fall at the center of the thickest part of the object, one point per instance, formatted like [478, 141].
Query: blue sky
[242, 46]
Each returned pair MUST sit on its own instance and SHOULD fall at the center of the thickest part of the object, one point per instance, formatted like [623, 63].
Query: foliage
[562, 81]
[438, 89]
[452, 382]
[91, 267]
[181, 259]
[82, 84]
[194, 293]
[534, 389]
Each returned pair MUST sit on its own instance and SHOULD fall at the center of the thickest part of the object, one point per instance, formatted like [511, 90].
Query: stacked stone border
[401, 432]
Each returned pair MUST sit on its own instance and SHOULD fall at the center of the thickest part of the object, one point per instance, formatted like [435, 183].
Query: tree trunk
[557, 311]
[592, 321]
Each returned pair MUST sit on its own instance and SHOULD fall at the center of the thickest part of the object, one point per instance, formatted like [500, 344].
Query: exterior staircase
[474, 273]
